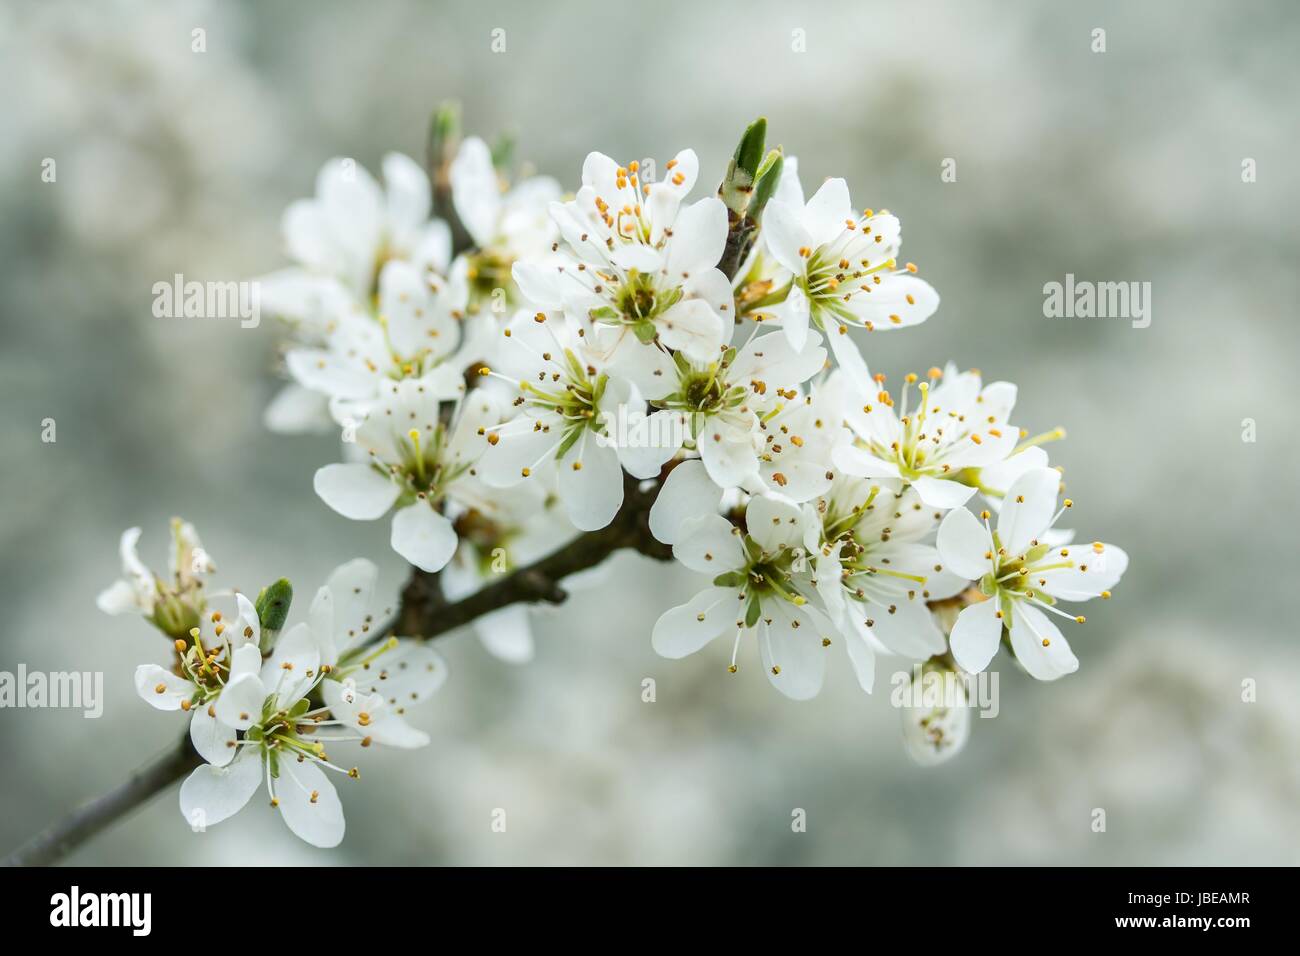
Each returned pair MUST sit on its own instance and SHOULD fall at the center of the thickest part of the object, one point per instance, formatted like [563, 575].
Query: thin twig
[65, 835]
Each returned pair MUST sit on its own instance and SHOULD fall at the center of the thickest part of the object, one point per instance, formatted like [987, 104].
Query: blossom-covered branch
[619, 366]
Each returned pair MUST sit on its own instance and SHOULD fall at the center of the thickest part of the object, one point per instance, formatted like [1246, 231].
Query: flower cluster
[498, 396]
[264, 701]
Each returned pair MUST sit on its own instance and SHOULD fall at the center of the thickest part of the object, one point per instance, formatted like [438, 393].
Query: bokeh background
[1123, 165]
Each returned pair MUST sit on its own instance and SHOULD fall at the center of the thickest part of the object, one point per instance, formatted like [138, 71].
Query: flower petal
[355, 490]
[150, 677]
[687, 493]
[964, 543]
[213, 740]
[309, 803]
[975, 636]
[1039, 645]
[709, 544]
[1028, 508]
[792, 650]
[212, 794]
[423, 537]
[685, 629]
[942, 493]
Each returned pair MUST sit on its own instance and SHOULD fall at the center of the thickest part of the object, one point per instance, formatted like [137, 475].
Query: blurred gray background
[1117, 166]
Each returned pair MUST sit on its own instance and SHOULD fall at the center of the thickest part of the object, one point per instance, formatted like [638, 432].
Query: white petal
[211, 738]
[863, 659]
[410, 673]
[687, 628]
[355, 490]
[709, 544]
[688, 492]
[293, 666]
[507, 634]
[212, 794]
[149, 677]
[423, 537]
[309, 803]
[897, 302]
[1001, 475]
[246, 659]
[785, 235]
[975, 636]
[651, 441]
[476, 190]
[351, 587]
[964, 543]
[855, 461]
[119, 598]
[941, 493]
[847, 354]
[406, 193]
[825, 214]
[1027, 508]
[795, 313]
[1030, 630]
[699, 235]
[296, 410]
[774, 524]
[634, 257]
[932, 735]
[240, 703]
[330, 374]
[691, 326]
[593, 493]
[728, 453]
[794, 657]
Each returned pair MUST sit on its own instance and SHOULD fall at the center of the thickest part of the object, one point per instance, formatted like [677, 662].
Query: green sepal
[742, 170]
[645, 331]
[731, 579]
[769, 176]
[503, 152]
[569, 441]
[273, 603]
[753, 611]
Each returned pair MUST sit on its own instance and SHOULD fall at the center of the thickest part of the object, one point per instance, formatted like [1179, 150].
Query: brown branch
[424, 612]
[65, 835]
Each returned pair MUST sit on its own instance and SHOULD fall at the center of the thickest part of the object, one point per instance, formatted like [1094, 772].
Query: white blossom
[1022, 576]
